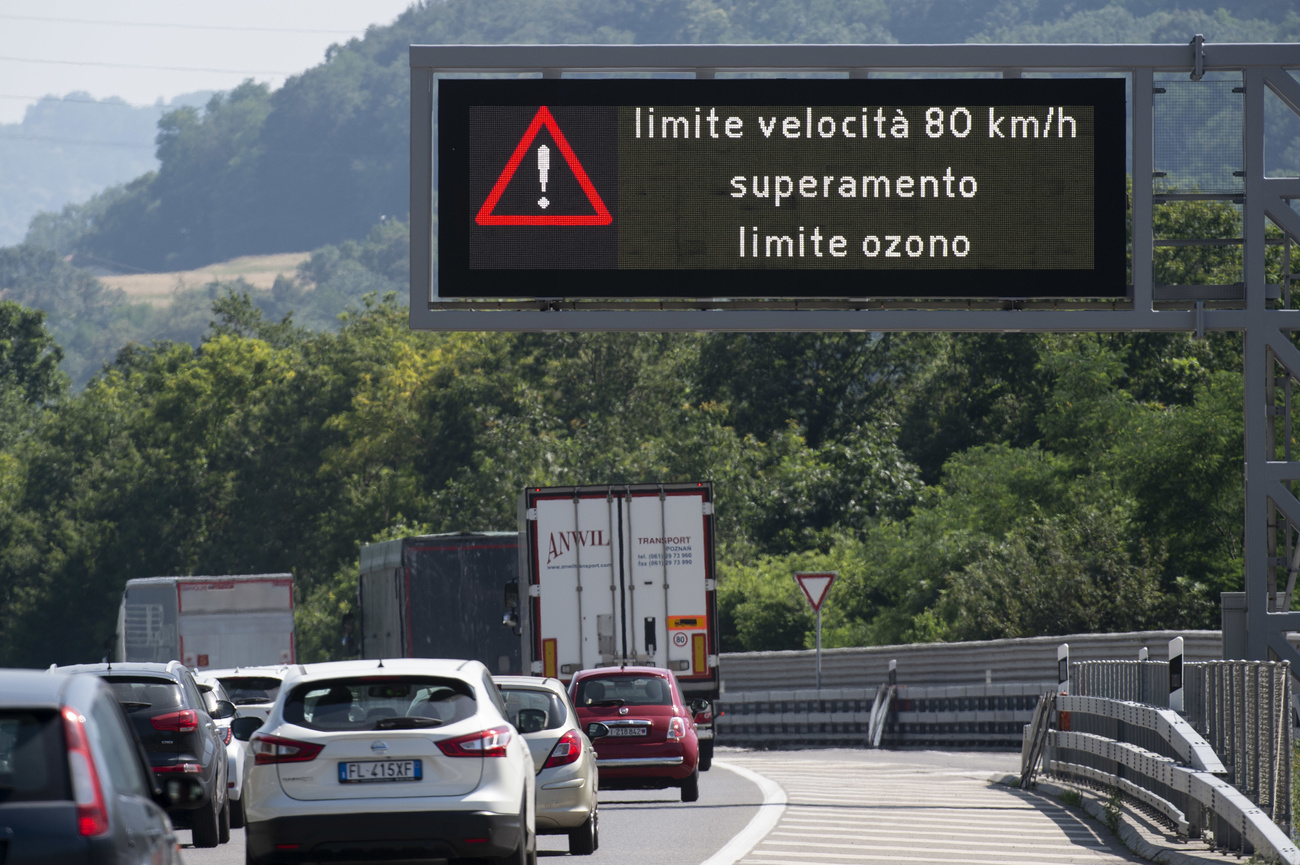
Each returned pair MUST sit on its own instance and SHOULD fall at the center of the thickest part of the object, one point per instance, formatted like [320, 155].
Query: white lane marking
[876, 838]
[769, 814]
[943, 855]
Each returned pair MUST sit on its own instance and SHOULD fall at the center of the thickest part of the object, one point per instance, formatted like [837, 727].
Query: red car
[651, 742]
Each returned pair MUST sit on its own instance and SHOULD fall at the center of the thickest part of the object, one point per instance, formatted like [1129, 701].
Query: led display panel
[779, 189]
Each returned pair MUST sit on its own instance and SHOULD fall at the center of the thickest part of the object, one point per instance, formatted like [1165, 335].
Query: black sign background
[1047, 220]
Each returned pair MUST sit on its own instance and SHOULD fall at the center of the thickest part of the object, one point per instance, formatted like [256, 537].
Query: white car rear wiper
[405, 722]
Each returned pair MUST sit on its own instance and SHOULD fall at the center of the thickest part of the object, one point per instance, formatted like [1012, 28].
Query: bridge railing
[985, 716]
[1222, 765]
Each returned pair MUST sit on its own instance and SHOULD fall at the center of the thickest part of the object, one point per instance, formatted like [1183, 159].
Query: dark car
[75, 783]
[179, 734]
[651, 743]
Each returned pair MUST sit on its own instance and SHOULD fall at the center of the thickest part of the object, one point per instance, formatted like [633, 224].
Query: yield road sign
[815, 586]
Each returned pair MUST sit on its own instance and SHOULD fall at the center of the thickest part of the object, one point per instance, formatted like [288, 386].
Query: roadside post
[1176, 674]
[815, 587]
[1063, 682]
[1142, 678]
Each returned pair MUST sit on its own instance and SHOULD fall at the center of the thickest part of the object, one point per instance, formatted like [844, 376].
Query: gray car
[75, 783]
[563, 755]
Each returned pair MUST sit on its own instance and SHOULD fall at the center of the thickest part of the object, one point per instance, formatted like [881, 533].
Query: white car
[563, 756]
[251, 689]
[212, 691]
[406, 758]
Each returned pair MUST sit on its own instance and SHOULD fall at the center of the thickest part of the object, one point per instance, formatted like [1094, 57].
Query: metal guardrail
[1222, 765]
[990, 715]
[1241, 708]
[1027, 659]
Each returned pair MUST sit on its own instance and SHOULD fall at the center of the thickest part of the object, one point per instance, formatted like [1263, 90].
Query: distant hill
[325, 157]
[67, 148]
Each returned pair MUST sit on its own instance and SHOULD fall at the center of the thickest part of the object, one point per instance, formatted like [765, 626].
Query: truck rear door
[622, 575]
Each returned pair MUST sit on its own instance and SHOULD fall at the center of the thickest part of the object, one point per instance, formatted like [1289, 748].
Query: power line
[76, 141]
[91, 101]
[152, 68]
[175, 26]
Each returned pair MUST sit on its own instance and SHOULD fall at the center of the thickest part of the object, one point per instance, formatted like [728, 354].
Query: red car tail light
[676, 728]
[566, 751]
[184, 721]
[92, 814]
[186, 768]
[274, 749]
[487, 743]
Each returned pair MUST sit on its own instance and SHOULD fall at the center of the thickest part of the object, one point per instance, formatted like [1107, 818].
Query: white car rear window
[380, 703]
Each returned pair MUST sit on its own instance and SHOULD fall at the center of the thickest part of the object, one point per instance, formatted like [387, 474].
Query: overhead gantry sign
[779, 189]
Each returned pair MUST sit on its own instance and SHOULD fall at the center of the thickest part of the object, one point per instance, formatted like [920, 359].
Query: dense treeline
[325, 157]
[1101, 489]
[964, 486]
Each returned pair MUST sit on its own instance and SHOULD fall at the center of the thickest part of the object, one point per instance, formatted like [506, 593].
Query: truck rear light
[566, 751]
[92, 814]
[487, 743]
[184, 721]
[274, 749]
[676, 728]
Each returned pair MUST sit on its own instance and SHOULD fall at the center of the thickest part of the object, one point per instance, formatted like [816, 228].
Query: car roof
[265, 671]
[33, 688]
[300, 673]
[536, 683]
[624, 671]
[169, 670]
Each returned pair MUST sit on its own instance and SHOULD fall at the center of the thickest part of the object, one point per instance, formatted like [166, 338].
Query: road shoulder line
[769, 814]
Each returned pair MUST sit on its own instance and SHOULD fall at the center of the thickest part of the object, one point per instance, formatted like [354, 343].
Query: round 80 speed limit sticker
[679, 639]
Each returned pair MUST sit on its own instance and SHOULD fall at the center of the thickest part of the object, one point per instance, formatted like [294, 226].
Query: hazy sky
[142, 50]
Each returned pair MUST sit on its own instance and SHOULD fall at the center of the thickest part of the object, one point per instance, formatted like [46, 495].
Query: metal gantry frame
[1272, 511]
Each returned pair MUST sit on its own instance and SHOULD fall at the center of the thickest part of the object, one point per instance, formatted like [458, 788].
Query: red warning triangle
[543, 118]
[815, 587]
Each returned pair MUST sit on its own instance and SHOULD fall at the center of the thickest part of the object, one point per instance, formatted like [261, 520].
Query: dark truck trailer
[441, 596]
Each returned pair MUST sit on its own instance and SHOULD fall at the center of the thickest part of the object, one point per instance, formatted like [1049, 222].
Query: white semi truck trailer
[231, 621]
[622, 574]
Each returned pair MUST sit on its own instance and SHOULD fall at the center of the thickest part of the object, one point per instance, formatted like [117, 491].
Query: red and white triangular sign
[815, 587]
[543, 118]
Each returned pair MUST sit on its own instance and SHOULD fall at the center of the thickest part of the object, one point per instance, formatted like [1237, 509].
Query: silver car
[562, 752]
[213, 691]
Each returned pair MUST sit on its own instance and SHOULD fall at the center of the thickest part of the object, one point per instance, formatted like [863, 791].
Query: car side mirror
[224, 709]
[597, 730]
[244, 728]
[699, 706]
[510, 618]
[179, 791]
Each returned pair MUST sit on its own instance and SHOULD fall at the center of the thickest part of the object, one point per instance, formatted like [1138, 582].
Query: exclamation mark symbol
[543, 168]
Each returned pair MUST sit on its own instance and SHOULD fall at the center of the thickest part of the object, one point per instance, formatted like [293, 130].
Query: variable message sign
[781, 189]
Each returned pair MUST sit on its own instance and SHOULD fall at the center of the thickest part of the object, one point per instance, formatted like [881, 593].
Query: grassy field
[158, 288]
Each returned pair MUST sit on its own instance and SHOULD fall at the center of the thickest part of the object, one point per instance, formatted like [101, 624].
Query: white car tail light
[566, 751]
[92, 815]
[487, 743]
[676, 728]
[276, 749]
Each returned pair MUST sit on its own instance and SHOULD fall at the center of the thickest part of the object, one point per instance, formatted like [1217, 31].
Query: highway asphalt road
[637, 827]
[840, 806]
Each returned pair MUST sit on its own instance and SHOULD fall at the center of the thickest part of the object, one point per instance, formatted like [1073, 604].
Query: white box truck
[231, 621]
[622, 574]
